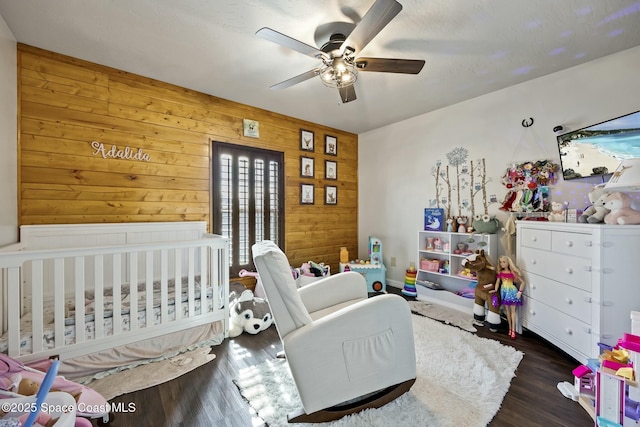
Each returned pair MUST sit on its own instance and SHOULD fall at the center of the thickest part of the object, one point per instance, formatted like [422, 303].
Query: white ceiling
[471, 47]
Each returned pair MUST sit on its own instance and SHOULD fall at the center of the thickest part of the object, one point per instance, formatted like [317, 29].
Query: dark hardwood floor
[208, 397]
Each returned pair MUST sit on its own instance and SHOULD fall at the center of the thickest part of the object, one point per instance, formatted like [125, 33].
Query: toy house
[617, 394]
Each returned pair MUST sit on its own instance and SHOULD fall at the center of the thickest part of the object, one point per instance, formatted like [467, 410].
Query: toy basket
[430, 264]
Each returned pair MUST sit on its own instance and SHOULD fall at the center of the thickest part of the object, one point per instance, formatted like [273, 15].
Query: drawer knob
[569, 243]
[534, 239]
[569, 270]
[533, 261]
[569, 301]
[533, 312]
[569, 331]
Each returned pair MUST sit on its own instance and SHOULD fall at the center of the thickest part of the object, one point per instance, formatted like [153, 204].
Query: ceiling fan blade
[376, 18]
[286, 41]
[347, 93]
[297, 79]
[384, 65]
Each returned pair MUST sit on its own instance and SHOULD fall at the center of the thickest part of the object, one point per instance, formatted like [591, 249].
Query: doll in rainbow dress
[511, 295]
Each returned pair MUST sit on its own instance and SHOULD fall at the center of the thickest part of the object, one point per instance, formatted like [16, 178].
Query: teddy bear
[557, 212]
[248, 314]
[597, 211]
[620, 208]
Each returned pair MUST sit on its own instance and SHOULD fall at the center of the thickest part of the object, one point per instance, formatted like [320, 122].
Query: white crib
[74, 290]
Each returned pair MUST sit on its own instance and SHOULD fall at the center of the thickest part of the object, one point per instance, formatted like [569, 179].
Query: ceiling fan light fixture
[338, 74]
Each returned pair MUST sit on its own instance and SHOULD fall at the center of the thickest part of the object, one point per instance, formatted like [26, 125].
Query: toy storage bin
[430, 264]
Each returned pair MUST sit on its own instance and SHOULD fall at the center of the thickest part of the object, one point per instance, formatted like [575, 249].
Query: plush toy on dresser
[557, 212]
[620, 208]
[596, 212]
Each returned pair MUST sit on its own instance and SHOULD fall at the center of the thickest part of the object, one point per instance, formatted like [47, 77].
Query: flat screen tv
[598, 149]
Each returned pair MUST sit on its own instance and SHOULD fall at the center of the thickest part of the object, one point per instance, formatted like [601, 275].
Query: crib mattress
[26, 342]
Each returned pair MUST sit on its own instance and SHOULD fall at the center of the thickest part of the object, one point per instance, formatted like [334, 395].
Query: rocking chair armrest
[333, 290]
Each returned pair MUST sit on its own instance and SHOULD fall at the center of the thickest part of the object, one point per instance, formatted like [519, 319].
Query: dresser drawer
[534, 238]
[550, 323]
[566, 299]
[578, 244]
[572, 270]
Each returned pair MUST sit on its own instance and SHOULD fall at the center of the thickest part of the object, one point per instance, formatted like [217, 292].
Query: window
[248, 205]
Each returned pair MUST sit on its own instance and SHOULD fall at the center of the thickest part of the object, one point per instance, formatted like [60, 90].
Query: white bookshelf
[451, 281]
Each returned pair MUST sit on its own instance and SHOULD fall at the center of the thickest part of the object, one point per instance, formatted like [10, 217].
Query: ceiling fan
[340, 66]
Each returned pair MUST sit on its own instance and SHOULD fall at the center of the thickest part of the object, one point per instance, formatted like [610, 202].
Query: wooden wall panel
[66, 103]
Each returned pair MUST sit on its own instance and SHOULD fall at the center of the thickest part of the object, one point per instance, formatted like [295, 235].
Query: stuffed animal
[248, 314]
[557, 212]
[620, 208]
[486, 276]
[486, 224]
[462, 224]
[597, 211]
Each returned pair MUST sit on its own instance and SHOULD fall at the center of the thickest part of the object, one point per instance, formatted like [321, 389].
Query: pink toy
[620, 208]
[13, 372]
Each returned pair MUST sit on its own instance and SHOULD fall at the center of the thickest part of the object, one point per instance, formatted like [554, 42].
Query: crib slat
[58, 298]
[178, 285]
[191, 282]
[214, 275]
[98, 297]
[37, 306]
[149, 288]
[164, 293]
[13, 310]
[79, 286]
[116, 317]
[204, 279]
[133, 291]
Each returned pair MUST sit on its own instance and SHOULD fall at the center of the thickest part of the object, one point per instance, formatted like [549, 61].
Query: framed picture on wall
[306, 194]
[330, 145]
[306, 167]
[330, 195]
[330, 169]
[306, 140]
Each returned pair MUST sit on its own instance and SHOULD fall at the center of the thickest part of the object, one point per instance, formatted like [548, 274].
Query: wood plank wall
[65, 104]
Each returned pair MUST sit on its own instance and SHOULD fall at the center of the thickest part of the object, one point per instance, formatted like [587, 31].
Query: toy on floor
[410, 282]
[247, 313]
[40, 408]
[16, 377]
[486, 277]
[510, 295]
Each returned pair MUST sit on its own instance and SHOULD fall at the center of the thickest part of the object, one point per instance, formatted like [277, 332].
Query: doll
[511, 296]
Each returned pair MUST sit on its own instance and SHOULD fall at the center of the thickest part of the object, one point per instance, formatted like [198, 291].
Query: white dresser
[582, 281]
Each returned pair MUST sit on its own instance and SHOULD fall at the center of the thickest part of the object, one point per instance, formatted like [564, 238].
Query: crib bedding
[108, 303]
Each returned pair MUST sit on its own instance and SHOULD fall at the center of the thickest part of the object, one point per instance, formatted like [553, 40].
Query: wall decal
[125, 153]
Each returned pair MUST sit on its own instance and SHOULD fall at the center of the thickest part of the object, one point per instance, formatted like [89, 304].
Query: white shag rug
[450, 316]
[461, 381]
